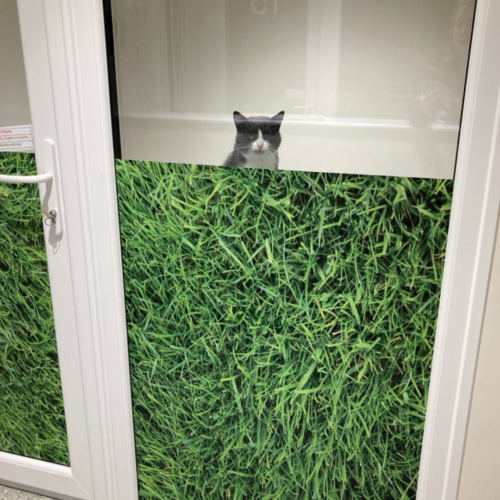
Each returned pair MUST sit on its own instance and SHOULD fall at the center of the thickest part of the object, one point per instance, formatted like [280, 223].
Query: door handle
[26, 179]
[51, 165]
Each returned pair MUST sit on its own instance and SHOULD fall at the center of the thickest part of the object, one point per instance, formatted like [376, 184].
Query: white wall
[351, 77]
[14, 106]
[480, 477]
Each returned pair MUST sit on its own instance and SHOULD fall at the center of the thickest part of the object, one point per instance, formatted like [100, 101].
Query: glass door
[64, 399]
[285, 190]
[285, 178]
[32, 418]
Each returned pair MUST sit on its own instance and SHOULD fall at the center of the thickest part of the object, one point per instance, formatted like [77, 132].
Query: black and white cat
[257, 141]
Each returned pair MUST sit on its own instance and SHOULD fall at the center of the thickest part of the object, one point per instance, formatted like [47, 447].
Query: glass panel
[281, 329]
[367, 87]
[32, 412]
[14, 106]
[32, 419]
[282, 324]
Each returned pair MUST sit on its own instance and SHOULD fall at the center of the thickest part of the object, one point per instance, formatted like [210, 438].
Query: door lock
[50, 217]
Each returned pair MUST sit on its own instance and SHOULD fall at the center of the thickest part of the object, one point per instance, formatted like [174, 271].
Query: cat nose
[260, 143]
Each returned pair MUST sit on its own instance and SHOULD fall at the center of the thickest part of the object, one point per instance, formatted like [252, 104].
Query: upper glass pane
[367, 87]
[14, 105]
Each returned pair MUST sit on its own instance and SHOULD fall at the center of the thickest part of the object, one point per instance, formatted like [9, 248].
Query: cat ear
[277, 119]
[239, 118]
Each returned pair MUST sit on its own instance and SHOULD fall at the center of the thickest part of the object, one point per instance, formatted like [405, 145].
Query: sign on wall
[17, 138]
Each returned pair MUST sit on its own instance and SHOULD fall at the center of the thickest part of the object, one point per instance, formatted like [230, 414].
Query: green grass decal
[31, 407]
[281, 328]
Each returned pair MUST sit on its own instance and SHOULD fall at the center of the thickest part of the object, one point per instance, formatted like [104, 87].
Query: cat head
[258, 134]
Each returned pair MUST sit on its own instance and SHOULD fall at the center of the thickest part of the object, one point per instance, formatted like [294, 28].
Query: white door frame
[65, 58]
[95, 374]
[469, 254]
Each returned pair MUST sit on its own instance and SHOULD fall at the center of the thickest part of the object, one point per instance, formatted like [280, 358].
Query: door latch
[50, 217]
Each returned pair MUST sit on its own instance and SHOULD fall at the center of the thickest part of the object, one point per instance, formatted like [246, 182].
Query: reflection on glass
[365, 86]
[442, 91]
[32, 419]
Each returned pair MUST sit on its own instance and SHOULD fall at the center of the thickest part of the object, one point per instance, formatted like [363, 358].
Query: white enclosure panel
[479, 476]
[381, 149]
[367, 87]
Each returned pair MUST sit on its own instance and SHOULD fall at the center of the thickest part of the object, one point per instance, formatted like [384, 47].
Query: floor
[11, 494]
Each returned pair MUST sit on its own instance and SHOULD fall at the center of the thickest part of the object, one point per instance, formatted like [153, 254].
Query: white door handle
[54, 213]
[26, 179]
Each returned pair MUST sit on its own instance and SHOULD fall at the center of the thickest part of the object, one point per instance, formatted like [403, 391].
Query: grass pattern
[281, 327]
[31, 407]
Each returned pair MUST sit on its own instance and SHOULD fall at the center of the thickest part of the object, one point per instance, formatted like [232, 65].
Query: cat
[257, 141]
